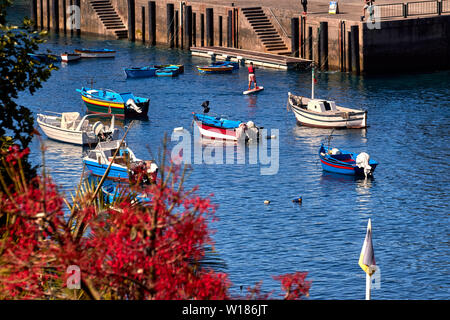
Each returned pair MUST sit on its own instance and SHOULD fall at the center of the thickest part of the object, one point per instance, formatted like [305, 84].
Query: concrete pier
[333, 41]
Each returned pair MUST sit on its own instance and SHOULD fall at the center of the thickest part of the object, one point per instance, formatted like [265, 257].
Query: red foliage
[148, 251]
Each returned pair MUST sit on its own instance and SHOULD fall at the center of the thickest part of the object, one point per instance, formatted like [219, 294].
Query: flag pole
[368, 283]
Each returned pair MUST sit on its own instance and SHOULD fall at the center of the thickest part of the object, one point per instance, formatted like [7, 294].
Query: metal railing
[279, 24]
[415, 8]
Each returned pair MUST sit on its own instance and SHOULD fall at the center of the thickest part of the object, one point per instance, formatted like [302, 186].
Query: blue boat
[346, 162]
[96, 53]
[44, 58]
[143, 72]
[113, 191]
[120, 104]
[234, 64]
[123, 166]
[170, 71]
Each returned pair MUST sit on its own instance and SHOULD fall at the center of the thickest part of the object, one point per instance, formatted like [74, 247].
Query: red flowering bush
[126, 251]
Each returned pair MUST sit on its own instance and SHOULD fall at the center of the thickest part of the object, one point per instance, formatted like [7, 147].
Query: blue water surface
[409, 117]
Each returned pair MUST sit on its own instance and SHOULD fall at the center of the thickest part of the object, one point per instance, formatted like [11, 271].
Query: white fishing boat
[68, 57]
[70, 127]
[321, 113]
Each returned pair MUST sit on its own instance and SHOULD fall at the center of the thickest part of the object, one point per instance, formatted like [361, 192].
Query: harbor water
[408, 199]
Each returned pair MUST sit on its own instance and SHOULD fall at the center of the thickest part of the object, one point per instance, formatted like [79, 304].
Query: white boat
[70, 127]
[96, 53]
[321, 113]
[68, 57]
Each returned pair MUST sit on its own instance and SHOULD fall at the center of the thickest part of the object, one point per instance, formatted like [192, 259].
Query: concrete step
[259, 24]
[279, 48]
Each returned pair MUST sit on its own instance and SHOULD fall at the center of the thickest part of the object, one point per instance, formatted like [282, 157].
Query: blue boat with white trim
[143, 72]
[346, 162]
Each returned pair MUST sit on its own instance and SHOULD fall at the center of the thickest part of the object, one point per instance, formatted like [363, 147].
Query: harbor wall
[419, 43]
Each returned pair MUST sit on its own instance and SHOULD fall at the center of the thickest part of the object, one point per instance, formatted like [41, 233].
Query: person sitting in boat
[251, 76]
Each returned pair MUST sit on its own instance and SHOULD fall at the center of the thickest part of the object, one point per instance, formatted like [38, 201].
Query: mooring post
[47, 11]
[230, 29]
[220, 31]
[177, 26]
[355, 48]
[152, 22]
[131, 21]
[33, 13]
[55, 16]
[187, 27]
[202, 29]
[310, 43]
[64, 15]
[170, 24]
[294, 36]
[194, 29]
[302, 37]
[78, 4]
[143, 23]
[323, 40]
[209, 27]
[349, 51]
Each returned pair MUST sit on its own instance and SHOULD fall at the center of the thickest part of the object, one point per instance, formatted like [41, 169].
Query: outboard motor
[132, 105]
[103, 133]
[362, 161]
[252, 131]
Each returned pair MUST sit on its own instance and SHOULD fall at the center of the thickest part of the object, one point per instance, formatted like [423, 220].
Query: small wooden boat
[44, 57]
[69, 57]
[234, 64]
[120, 104]
[254, 90]
[346, 162]
[143, 72]
[179, 66]
[223, 129]
[96, 53]
[322, 113]
[124, 164]
[70, 127]
[215, 69]
[171, 71]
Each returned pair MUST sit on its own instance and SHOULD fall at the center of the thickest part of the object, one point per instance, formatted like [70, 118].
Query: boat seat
[342, 157]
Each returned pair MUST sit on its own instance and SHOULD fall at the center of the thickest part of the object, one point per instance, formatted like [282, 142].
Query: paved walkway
[348, 9]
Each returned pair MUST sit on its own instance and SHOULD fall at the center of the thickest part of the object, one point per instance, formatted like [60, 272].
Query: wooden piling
[143, 23]
[202, 29]
[170, 25]
[355, 49]
[230, 29]
[194, 29]
[33, 13]
[41, 15]
[152, 22]
[131, 20]
[210, 27]
[302, 36]
[47, 11]
[220, 31]
[294, 37]
[323, 45]
[177, 26]
[64, 15]
[187, 27]
[349, 51]
[310, 43]
[55, 16]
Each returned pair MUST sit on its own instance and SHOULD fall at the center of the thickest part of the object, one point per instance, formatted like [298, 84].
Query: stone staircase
[265, 31]
[109, 17]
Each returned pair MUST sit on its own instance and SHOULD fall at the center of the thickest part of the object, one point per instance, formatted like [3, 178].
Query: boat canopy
[321, 105]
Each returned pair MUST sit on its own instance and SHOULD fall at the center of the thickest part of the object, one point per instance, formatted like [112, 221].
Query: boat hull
[117, 172]
[96, 54]
[140, 73]
[221, 69]
[354, 120]
[70, 57]
[215, 133]
[117, 109]
[347, 167]
[64, 135]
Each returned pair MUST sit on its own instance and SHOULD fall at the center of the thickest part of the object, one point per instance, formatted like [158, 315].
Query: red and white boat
[217, 128]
